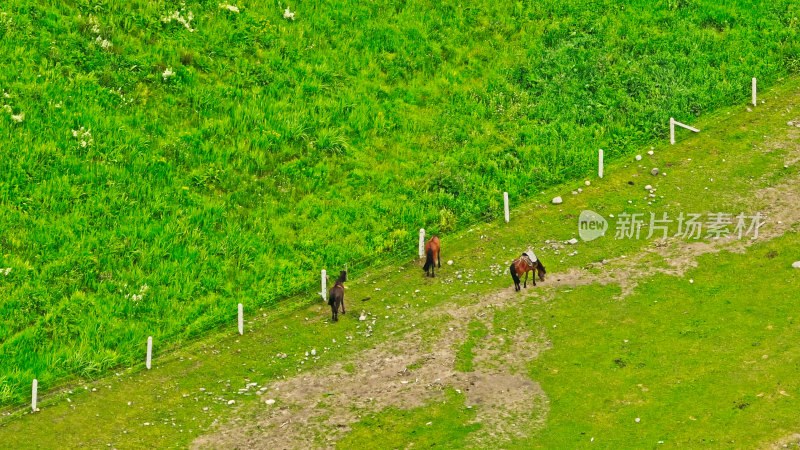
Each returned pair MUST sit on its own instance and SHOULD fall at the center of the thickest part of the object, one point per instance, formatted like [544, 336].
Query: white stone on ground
[557, 201]
[572, 241]
[270, 402]
[587, 182]
[648, 187]
[638, 157]
[450, 263]
[654, 171]
[796, 265]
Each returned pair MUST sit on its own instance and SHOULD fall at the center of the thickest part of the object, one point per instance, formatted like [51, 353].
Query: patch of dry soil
[508, 404]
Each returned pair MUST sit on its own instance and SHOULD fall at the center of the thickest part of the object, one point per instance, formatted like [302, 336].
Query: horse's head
[342, 276]
[540, 269]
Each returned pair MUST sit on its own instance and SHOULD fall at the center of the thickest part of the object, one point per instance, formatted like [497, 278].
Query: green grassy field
[162, 161]
[700, 348]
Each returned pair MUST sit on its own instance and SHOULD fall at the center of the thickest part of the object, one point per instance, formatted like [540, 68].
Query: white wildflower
[102, 42]
[167, 73]
[7, 108]
[288, 14]
[18, 118]
[83, 137]
[178, 16]
[95, 25]
[229, 7]
[7, 271]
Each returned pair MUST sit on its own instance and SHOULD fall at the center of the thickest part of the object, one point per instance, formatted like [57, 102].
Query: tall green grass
[280, 147]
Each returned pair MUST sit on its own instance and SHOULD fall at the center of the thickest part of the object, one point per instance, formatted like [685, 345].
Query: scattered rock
[796, 265]
[574, 192]
[314, 352]
[270, 402]
[587, 182]
[638, 420]
[231, 402]
[655, 171]
[580, 190]
[638, 157]
[557, 201]
[650, 153]
[648, 187]
[572, 241]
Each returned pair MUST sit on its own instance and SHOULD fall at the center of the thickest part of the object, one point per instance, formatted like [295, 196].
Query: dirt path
[381, 379]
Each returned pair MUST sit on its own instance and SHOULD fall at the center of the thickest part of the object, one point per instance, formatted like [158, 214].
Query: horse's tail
[428, 260]
[333, 296]
[514, 275]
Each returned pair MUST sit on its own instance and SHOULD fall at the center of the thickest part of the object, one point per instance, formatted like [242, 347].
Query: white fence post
[672, 123]
[324, 280]
[505, 205]
[421, 242]
[672, 131]
[755, 96]
[600, 165]
[149, 352]
[241, 319]
[34, 394]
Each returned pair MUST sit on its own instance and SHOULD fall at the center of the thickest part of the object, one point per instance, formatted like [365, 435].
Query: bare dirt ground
[381, 379]
[307, 415]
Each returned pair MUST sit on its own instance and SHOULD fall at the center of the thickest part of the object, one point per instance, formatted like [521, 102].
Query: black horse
[336, 296]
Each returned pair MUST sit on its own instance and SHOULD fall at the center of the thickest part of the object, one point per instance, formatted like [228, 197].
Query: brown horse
[520, 266]
[432, 248]
[336, 296]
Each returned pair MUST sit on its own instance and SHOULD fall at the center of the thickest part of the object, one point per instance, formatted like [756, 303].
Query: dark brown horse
[336, 296]
[432, 248]
[520, 266]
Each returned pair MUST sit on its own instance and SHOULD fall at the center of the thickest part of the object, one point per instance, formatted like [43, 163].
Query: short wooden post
[672, 123]
[241, 319]
[324, 280]
[505, 205]
[672, 131]
[600, 164]
[755, 94]
[149, 352]
[421, 242]
[34, 394]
